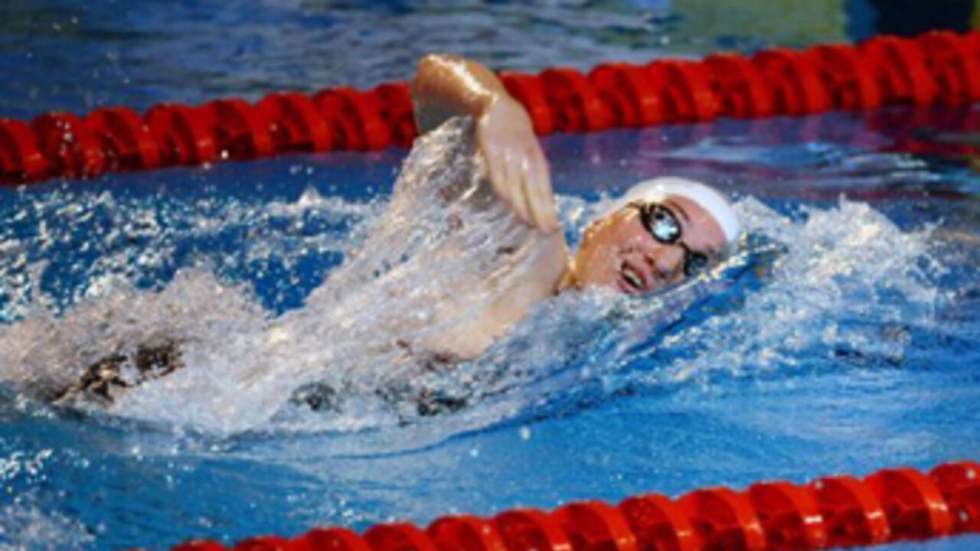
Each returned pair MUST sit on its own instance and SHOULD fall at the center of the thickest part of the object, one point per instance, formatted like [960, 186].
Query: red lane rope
[938, 67]
[887, 506]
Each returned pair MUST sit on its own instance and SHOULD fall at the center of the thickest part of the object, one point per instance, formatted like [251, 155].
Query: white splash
[24, 526]
[247, 369]
[421, 270]
[846, 280]
[24, 521]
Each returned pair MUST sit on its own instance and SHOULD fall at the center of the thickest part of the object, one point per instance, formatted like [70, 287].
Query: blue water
[845, 341]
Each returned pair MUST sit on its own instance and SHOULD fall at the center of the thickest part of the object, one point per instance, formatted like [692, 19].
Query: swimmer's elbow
[462, 342]
[446, 85]
[430, 64]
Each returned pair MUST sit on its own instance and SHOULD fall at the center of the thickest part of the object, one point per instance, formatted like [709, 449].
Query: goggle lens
[665, 228]
[663, 225]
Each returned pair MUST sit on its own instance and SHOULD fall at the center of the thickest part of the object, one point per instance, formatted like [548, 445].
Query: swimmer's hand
[446, 86]
[516, 165]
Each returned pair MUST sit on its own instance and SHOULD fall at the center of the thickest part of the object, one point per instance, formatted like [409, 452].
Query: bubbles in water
[23, 526]
[24, 522]
[845, 282]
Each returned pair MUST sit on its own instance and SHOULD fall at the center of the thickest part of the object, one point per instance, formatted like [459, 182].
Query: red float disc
[264, 543]
[69, 146]
[901, 70]
[343, 126]
[334, 539]
[960, 484]
[465, 533]
[952, 64]
[963, 498]
[795, 81]
[575, 101]
[658, 523]
[241, 131]
[397, 110]
[531, 530]
[128, 140]
[971, 45]
[724, 519]
[630, 94]
[20, 156]
[789, 516]
[376, 129]
[398, 537]
[912, 502]
[183, 133]
[851, 512]
[356, 115]
[740, 89]
[595, 526]
[688, 87]
[608, 80]
[848, 76]
[295, 123]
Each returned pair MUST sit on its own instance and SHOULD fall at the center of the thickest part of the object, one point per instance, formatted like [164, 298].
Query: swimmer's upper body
[660, 232]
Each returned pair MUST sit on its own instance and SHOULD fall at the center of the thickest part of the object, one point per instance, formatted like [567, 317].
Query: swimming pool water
[726, 399]
[845, 342]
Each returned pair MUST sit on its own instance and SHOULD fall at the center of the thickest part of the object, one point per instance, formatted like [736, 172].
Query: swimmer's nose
[666, 262]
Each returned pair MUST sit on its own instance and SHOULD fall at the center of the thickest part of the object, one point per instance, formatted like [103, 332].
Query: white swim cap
[658, 189]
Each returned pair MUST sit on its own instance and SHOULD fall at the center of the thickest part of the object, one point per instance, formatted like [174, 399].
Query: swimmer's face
[619, 250]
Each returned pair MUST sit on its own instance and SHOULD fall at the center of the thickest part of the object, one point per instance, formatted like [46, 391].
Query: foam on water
[410, 272]
[25, 526]
[847, 280]
[24, 522]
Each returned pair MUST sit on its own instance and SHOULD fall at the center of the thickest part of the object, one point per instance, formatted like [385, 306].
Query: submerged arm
[446, 86]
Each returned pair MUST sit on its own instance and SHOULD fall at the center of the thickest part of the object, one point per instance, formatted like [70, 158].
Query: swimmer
[657, 234]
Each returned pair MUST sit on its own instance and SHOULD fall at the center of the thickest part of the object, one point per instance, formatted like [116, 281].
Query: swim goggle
[663, 225]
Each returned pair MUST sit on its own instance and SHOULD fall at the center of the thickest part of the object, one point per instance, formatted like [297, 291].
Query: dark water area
[63, 55]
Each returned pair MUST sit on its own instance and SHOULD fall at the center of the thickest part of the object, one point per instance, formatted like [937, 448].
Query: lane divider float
[937, 68]
[887, 506]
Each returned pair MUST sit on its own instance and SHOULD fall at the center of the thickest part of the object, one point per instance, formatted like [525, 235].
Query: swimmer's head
[659, 233]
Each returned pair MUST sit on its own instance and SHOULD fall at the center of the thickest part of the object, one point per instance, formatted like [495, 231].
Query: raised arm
[446, 86]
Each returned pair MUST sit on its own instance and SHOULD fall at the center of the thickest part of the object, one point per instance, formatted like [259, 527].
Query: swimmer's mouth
[631, 280]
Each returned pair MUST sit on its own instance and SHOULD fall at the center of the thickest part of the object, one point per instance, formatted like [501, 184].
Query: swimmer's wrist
[504, 107]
